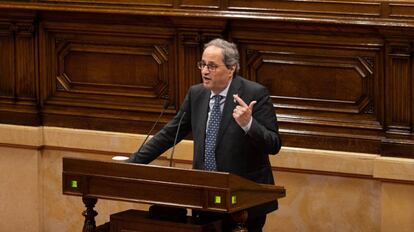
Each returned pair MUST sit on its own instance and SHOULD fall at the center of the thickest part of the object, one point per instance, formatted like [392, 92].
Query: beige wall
[326, 191]
[20, 197]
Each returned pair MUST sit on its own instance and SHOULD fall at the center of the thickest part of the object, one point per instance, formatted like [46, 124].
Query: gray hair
[230, 52]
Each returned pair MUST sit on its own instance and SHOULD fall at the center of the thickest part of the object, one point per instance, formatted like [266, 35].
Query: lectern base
[139, 221]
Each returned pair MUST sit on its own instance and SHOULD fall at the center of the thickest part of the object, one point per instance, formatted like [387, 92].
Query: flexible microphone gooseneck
[166, 104]
[176, 136]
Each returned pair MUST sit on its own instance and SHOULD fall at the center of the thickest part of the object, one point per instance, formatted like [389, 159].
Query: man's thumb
[252, 104]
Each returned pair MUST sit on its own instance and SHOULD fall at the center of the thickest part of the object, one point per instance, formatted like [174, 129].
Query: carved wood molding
[358, 12]
[107, 76]
[399, 86]
[18, 76]
[304, 92]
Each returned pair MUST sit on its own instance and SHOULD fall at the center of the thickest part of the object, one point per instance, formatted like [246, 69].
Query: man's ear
[233, 69]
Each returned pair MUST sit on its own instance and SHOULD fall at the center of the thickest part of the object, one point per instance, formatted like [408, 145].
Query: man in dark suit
[234, 132]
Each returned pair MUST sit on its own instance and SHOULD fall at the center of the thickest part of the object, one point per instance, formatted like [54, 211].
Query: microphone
[165, 106]
[176, 136]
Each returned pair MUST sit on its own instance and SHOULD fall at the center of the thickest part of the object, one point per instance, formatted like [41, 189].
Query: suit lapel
[229, 106]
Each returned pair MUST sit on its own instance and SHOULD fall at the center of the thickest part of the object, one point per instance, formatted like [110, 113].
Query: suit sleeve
[264, 131]
[164, 139]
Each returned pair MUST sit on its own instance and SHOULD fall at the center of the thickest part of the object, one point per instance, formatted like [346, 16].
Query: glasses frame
[210, 67]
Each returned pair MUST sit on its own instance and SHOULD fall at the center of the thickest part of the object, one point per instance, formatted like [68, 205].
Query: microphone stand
[166, 104]
[175, 140]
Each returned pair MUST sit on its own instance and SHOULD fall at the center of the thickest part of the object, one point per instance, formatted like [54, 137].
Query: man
[233, 125]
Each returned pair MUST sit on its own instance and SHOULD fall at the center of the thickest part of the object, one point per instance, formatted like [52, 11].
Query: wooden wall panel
[339, 73]
[26, 77]
[307, 88]
[188, 53]
[322, 86]
[399, 94]
[398, 86]
[106, 69]
[99, 69]
[18, 77]
[6, 62]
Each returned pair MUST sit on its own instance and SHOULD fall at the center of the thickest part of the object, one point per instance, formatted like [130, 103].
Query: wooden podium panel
[139, 221]
[194, 189]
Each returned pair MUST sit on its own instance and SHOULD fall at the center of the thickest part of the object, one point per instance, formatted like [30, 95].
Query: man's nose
[205, 69]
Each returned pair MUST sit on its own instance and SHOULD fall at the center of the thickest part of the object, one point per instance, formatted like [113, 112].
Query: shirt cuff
[247, 127]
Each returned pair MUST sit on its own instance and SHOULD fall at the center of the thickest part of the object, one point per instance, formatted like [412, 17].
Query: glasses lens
[210, 67]
[200, 65]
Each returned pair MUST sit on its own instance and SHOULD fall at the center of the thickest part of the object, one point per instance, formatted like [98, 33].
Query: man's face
[217, 80]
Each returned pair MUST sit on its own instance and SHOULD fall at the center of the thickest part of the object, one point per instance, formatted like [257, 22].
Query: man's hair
[230, 52]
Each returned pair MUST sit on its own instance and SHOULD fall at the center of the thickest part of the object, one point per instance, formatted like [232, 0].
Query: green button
[217, 199]
[233, 200]
[74, 184]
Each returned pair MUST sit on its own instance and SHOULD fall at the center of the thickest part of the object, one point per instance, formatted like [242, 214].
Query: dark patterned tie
[211, 135]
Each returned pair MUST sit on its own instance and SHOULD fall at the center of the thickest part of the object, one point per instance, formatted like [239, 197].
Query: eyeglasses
[210, 67]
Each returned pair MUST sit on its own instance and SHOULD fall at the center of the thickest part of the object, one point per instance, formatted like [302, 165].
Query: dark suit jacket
[239, 153]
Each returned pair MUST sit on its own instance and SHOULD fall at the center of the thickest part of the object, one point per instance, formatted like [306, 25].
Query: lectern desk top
[194, 189]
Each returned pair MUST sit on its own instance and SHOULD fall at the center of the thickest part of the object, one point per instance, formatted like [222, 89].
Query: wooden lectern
[166, 186]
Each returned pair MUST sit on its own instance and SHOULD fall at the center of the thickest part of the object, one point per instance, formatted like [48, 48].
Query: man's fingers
[243, 104]
[242, 113]
[239, 100]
